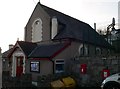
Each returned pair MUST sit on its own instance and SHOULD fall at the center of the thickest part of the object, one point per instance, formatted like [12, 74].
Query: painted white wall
[54, 27]
[37, 30]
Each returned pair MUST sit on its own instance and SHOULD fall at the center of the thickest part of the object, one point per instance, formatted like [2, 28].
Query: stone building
[56, 43]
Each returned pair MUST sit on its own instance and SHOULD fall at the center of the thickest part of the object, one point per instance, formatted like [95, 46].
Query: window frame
[98, 51]
[37, 22]
[62, 62]
[33, 62]
[83, 50]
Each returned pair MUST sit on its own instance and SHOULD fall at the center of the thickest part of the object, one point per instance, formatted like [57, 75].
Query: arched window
[98, 51]
[54, 27]
[83, 50]
[37, 30]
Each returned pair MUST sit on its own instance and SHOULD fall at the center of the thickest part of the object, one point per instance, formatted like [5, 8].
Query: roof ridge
[27, 42]
[44, 6]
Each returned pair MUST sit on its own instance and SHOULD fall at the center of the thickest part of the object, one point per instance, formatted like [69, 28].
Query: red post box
[105, 73]
[83, 68]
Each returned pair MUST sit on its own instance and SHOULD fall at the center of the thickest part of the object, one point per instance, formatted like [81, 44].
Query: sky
[14, 15]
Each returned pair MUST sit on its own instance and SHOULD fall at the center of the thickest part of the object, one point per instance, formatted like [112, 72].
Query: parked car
[111, 82]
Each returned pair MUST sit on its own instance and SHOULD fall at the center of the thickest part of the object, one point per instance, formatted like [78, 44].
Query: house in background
[52, 39]
[5, 60]
[114, 37]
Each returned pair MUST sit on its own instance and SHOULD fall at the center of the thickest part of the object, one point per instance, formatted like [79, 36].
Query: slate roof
[75, 29]
[6, 53]
[34, 50]
[46, 51]
[27, 47]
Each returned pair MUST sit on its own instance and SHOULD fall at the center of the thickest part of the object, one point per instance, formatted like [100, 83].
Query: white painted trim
[37, 30]
[59, 63]
[13, 66]
[85, 50]
[24, 64]
[17, 54]
[54, 27]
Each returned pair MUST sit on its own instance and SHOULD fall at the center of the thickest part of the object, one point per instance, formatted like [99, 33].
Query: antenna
[113, 21]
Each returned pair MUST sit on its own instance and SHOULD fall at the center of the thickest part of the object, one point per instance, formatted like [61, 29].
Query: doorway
[19, 66]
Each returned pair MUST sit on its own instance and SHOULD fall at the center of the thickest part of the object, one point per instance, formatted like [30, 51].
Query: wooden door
[19, 66]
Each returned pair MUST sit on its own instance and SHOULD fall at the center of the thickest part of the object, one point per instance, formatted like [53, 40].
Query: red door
[19, 66]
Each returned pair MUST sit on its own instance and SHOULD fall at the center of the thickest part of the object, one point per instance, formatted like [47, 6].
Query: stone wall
[95, 65]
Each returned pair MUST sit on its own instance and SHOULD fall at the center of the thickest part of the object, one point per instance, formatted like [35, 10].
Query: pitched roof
[34, 50]
[48, 50]
[75, 29]
[27, 47]
[6, 53]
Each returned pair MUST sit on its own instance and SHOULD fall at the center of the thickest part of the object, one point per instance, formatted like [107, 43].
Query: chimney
[11, 46]
[95, 26]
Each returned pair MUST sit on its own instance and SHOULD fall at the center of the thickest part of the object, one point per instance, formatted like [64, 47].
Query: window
[59, 66]
[108, 51]
[54, 29]
[19, 61]
[83, 50]
[98, 51]
[37, 33]
[35, 66]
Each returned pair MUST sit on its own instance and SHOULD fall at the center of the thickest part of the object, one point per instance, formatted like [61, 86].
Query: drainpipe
[53, 66]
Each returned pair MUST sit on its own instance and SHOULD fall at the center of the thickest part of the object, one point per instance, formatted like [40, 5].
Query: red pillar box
[105, 73]
[83, 68]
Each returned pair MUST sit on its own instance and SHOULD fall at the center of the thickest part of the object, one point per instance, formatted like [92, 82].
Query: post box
[105, 73]
[83, 68]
